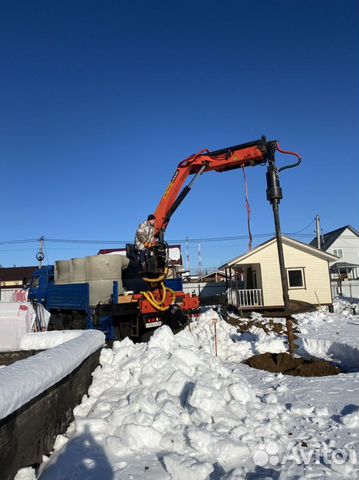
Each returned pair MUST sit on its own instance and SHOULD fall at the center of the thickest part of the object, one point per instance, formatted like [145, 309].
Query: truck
[124, 296]
[102, 292]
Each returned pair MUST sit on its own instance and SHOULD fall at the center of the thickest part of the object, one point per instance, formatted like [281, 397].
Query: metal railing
[245, 298]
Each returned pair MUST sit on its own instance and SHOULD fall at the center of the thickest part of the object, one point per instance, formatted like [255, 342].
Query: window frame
[302, 270]
[337, 254]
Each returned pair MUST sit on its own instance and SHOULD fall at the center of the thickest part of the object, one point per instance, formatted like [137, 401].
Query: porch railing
[245, 298]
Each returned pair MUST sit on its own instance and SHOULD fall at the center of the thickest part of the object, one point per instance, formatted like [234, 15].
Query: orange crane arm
[244, 155]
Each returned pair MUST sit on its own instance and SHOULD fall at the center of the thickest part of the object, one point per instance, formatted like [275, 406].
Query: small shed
[254, 281]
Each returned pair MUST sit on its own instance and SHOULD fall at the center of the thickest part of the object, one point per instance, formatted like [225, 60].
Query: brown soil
[298, 366]
[268, 325]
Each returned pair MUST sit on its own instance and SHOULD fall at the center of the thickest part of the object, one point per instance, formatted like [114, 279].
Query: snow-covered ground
[171, 409]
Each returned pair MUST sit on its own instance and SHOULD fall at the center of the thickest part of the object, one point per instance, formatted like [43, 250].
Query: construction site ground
[172, 409]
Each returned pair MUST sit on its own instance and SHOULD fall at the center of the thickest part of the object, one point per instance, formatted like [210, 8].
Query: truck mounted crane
[135, 298]
[259, 152]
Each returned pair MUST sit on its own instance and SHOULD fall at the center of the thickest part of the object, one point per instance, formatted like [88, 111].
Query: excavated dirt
[297, 366]
[269, 325]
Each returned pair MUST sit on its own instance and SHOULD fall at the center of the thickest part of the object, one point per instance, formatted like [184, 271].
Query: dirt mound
[267, 325]
[298, 366]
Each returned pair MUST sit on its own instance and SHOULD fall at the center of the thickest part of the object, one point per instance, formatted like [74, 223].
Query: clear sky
[100, 100]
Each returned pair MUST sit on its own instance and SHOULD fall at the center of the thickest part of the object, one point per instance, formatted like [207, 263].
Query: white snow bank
[344, 355]
[25, 379]
[43, 340]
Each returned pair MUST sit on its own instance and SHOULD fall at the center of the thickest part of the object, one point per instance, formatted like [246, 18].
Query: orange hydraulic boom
[244, 155]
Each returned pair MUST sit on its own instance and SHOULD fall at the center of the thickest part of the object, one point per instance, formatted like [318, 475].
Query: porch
[244, 286]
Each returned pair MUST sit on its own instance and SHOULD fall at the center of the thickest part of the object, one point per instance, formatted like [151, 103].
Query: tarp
[16, 319]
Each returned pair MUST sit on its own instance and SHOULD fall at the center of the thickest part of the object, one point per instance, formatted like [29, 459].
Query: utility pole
[40, 254]
[188, 265]
[317, 227]
[200, 273]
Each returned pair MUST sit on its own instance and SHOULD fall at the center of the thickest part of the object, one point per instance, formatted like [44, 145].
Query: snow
[25, 379]
[43, 340]
[171, 409]
[27, 473]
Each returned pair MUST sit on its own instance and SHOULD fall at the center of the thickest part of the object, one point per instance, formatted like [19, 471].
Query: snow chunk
[186, 468]
[241, 392]
[162, 338]
[206, 398]
[229, 452]
[138, 437]
[351, 420]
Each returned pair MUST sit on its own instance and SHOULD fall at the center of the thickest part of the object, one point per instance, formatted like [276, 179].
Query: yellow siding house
[254, 280]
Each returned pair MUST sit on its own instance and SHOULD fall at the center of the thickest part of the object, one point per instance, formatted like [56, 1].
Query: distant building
[344, 270]
[13, 278]
[216, 276]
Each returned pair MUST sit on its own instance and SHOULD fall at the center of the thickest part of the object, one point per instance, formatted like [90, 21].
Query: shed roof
[16, 273]
[342, 266]
[289, 241]
[329, 238]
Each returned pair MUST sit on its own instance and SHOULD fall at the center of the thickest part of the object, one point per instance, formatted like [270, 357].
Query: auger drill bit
[292, 333]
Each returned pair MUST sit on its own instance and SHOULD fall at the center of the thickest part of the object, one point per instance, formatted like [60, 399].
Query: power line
[173, 241]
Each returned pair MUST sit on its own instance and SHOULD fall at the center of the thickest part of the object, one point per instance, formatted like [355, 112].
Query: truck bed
[68, 297]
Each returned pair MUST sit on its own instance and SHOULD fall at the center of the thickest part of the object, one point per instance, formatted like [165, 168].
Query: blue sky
[101, 100]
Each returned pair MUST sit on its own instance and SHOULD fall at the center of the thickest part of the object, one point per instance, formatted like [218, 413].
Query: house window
[338, 252]
[296, 278]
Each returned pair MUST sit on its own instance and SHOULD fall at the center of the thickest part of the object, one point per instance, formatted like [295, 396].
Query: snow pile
[233, 346]
[344, 306]
[25, 379]
[171, 409]
[174, 400]
[43, 340]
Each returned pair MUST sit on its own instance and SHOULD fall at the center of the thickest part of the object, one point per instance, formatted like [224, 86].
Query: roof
[289, 241]
[215, 272]
[16, 273]
[342, 266]
[329, 238]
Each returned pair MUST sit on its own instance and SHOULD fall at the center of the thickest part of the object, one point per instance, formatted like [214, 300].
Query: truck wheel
[146, 335]
[121, 329]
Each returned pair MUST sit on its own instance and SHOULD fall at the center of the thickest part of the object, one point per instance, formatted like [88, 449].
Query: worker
[145, 234]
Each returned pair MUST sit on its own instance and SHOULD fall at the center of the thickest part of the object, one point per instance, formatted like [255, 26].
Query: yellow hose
[157, 305]
[158, 279]
[163, 295]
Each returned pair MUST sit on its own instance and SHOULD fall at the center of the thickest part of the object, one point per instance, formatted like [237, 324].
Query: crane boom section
[248, 154]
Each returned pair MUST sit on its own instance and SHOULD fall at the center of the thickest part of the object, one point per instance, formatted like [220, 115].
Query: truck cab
[40, 283]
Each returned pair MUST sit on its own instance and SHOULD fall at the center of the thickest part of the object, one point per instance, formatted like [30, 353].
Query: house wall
[317, 282]
[349, 243]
